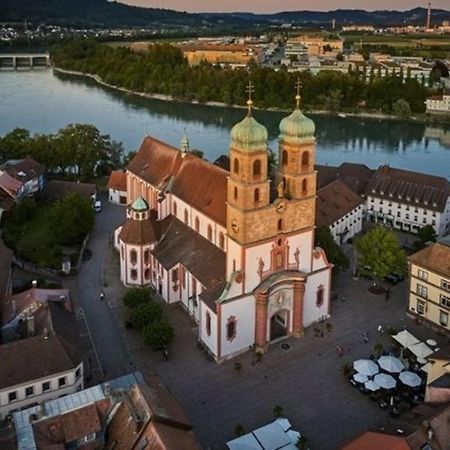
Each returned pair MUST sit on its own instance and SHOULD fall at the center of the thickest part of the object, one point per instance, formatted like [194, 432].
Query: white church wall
[209, 339]
[243, 311]
[311, 312]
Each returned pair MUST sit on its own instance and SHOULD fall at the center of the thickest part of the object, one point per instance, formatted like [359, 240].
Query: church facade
[234, 247]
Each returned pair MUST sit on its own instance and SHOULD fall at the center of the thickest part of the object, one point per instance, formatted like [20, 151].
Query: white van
[97, 206]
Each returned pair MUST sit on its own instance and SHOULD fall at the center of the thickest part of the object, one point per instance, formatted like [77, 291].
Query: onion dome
[249, 135]
[139, 205]
[297, 127]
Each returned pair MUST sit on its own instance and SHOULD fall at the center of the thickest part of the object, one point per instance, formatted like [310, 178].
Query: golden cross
[298, 97]
[250, 89]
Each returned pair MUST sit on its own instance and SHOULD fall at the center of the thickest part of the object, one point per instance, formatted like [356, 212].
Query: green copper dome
[139, 205]
[249, 135]
[297, 127]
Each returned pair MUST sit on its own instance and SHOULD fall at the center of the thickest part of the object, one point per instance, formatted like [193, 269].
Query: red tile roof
[57, 189]
[335, 201]
[24, 169]
[118, 180]
[140, 232]
[371, 440]
[435, 257]
[10, 185]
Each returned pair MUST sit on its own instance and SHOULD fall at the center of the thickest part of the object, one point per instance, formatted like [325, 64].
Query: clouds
[282, 5]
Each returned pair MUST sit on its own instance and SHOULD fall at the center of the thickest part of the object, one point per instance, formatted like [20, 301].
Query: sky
[268, 6]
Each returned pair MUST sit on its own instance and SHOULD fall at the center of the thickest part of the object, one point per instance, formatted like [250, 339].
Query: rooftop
[118, 180]
[435, 257]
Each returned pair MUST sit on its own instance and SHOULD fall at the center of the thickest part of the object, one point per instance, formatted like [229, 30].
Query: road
[86, 294]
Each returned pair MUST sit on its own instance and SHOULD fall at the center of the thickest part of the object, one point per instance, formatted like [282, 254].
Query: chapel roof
[140, 232]
[118, 180]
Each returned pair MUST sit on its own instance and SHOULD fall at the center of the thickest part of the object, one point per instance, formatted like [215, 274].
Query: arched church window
[210, 232]
[186, 216]
[280, 225]
[235, 193]
[236, 165]
[147, 257]
[133, 256]
[208, 323]
[285, 158]
[197, 224]
[304, 186]
[305, 159]
[133, 274]
[221, 240]
[174, 209]
[231, 328]
[320, 296]
[256, 195]
[257, 169]
[147, 274]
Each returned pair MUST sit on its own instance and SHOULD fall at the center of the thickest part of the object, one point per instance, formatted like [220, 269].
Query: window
[422, 291]
[257, 169]
[147, 274]
[78, 373]
[133, 256]
[280, 224]
[443, 318]
[221, 240]
[29, 391]
[121, 251]
[175, 275]
[445, 285]
[174, 209]
[133, 274]
[420, 307]
[208, 323]
[147, 257]
[285, 158]
[422, 274]
[305, 159]
[235, 193]
[61, 381]
[236, 165]
[183, 276]
[186, 216]
[12, 396]
[256, 195]
[197, 224]
[231, 328]
[445, 300]
[304, 186]
[210, 232]
[320, 296]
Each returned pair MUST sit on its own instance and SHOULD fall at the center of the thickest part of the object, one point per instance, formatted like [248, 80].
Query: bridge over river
[24, 61]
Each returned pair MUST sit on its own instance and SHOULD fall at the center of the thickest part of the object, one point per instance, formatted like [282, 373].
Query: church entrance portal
[279, 325]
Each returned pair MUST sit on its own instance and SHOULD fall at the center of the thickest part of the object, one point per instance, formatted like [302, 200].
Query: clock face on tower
[234, 225]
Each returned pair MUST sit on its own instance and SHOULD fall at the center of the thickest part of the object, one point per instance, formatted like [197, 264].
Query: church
[235, 248]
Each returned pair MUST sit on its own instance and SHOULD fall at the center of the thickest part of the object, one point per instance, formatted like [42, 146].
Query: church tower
[248, 185]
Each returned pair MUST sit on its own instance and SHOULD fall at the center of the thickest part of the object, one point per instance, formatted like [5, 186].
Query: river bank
[422, 118]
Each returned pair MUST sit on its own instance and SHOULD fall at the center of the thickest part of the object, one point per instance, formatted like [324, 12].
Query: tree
[401, 108]
[335, 255]
[379, 253]
[71, 219]
[425, 234]
[145, 313]
[158, 335]
[136, 296]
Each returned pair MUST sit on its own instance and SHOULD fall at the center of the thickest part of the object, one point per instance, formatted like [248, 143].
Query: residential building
[128, 413]
[296, 53]
[238, 255]
[58, 189]
[374, 440]
[408, 200]
[28, 171]
[237, 55]
[438, 104]
[319, 45]
[11, 192]
[117, 186]
[339, 209]
[429, 284]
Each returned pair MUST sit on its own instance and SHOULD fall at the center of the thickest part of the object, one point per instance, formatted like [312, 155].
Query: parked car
[87, 254]
[394, 278]
[98, 206]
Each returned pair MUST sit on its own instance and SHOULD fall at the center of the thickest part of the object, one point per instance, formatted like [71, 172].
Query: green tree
[145, 313]
[335, 255]
[401, 108]
[71, 219]
[136, 296]
[158, 335]
[425, 234]
[380, 254]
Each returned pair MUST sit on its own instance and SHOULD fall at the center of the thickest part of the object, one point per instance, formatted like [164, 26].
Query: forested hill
[91, 12]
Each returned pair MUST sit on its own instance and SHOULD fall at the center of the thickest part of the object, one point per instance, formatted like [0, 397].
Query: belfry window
[285, 158]
[304, 186]
[236, 165]
[280, 225]
[305, 159]
[257, 169]
[235, 193]
[256, 195]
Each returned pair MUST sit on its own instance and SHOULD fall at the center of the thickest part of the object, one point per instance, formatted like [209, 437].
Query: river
[43, 102]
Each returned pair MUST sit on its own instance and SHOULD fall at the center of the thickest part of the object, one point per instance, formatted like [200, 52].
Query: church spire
[250, 89]
[298, 97]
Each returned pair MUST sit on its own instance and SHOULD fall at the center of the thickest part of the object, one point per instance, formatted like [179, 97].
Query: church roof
[182, 245]
[140, 232]
[297, 127]
[249, 135]
[139, 205]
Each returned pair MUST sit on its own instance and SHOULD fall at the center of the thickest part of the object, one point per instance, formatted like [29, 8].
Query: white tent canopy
[371, 386]
[405, 339]
[385, 381]
[366, 367]
[421, 350]
[410, 379]
[360, 377]
[391, 364]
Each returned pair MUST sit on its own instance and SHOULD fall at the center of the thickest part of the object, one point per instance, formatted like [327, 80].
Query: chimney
[30, 326]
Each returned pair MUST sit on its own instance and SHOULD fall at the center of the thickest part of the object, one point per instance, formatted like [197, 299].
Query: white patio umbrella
[360, 378]
[405, 339]
[390, 364]
[421, 350]
[371, 386]
[410, 379]
[366, 367]
[385, 381]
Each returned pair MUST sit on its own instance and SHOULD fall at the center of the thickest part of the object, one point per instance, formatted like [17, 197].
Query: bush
[278, 411]
[158, 335]
[145, 313]
[136, 296]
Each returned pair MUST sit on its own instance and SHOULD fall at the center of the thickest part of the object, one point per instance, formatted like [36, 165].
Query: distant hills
[106, 13]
